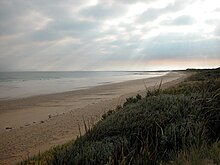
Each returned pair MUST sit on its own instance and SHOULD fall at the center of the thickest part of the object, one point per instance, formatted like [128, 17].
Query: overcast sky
[109, 34]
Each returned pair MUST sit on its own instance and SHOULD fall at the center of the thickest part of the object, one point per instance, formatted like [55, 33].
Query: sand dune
[37, 123]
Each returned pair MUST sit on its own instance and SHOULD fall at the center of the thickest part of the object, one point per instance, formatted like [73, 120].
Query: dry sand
[40, 122]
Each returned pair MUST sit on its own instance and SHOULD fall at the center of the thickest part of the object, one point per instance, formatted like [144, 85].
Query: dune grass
[179, 125]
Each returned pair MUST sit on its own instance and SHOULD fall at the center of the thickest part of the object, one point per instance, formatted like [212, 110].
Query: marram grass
[180, 125]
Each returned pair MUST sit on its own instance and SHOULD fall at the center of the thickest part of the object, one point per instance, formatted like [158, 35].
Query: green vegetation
[179, 125]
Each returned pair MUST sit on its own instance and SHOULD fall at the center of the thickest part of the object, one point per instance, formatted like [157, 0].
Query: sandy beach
[32, 125]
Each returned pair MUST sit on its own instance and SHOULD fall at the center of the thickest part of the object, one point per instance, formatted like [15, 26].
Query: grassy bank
[179, 125]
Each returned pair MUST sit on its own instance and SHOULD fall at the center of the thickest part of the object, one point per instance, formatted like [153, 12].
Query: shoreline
[67, 111]
[21, 89]
[79, 89]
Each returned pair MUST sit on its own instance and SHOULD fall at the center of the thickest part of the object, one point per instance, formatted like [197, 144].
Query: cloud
[103, 11]
[214, 22]
[84, 35]
[22, 16]
[183, 50]
[149, 15]
[217, 10]
[217, 31]
[65, 28]
[133, 2]
[153, 13]
[183, 20]
[169, 46]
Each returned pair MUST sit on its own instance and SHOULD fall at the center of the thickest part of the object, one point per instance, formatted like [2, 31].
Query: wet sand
[34, 124]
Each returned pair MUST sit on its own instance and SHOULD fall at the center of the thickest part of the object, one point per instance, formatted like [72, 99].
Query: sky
[58, 35]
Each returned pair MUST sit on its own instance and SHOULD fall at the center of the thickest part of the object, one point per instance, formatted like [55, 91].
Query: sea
[25, 84]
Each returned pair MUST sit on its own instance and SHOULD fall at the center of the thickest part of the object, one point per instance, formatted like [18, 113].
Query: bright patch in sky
[109, 35]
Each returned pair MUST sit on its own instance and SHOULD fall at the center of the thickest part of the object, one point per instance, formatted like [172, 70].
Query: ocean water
[24, 84]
